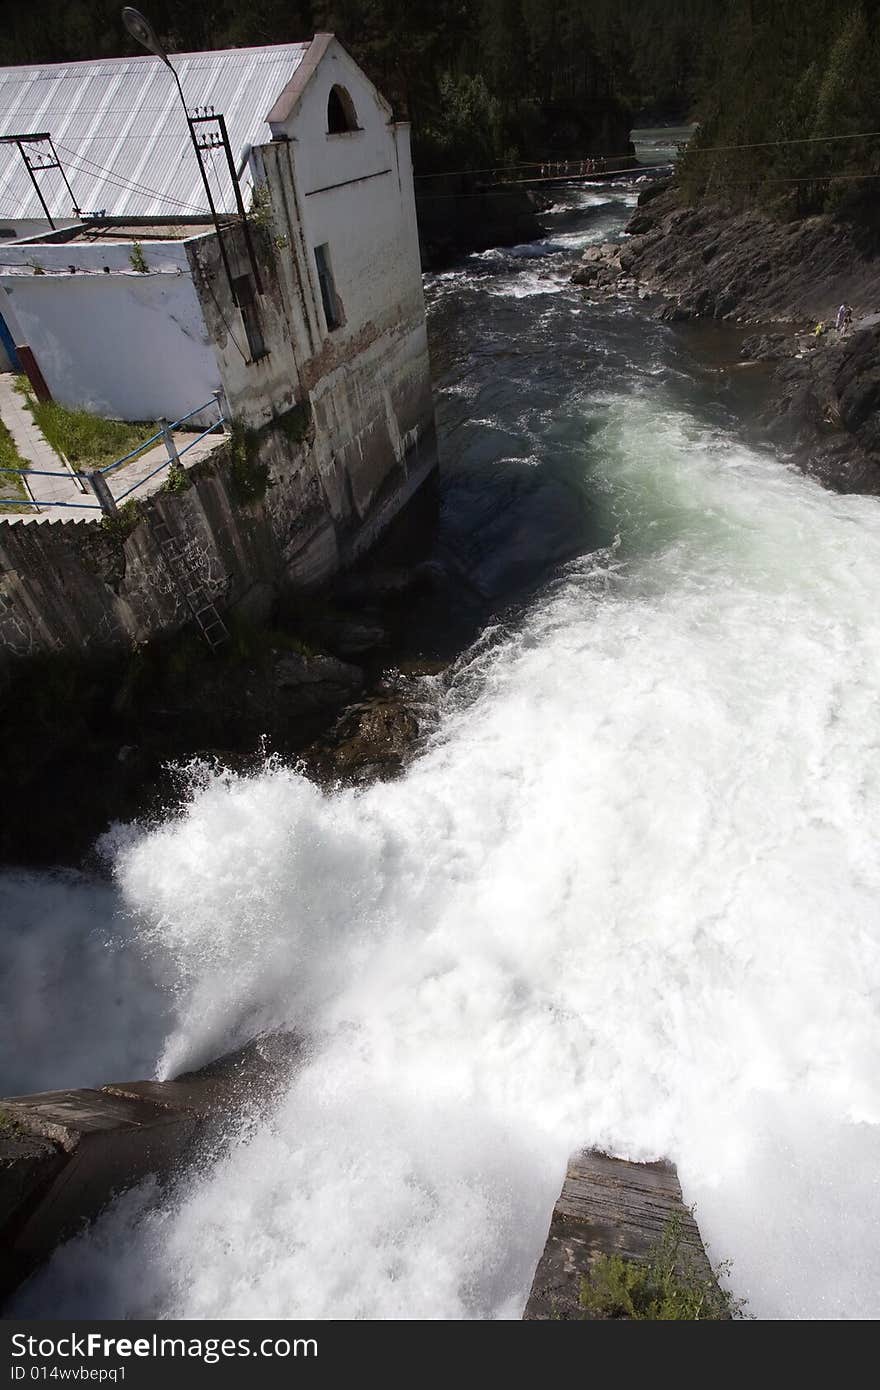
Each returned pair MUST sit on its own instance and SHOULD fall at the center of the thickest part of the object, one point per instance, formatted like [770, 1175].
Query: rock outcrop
[65, 1154]
[786, 276]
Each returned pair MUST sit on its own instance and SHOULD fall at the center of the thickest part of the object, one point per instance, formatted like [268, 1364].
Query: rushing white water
[628, 896]
[78, 1007]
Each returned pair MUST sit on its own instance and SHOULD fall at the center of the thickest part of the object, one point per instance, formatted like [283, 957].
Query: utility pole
[142, 30]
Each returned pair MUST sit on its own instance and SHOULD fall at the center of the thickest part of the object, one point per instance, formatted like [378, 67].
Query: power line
[690, 149]
[120, 179]
[19, 204]
[494, 169]
[504, 191]
[206, 280]
[126, 185]
[808, 178]
[770, 144]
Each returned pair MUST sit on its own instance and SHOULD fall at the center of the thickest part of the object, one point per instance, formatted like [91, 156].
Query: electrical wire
[210, 288]
[110, 174]
[129, 185]
[639, 169]
[19, 203]
[216, 179]
[794, 140]
[694, 149]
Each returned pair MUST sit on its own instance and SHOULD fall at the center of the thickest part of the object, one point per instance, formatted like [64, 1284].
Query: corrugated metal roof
[120, 132]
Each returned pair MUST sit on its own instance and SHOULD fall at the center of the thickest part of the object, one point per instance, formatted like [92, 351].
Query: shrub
[125, 520]
[295, 423]
[664, 1288]
[247, 474]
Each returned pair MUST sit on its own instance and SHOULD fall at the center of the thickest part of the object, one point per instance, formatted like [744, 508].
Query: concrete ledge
[607, 1207]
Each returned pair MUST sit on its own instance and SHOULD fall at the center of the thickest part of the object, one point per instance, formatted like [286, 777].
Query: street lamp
[142, 30]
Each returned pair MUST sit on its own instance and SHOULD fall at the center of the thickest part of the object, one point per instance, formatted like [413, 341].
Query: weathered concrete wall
[262, 517]
[365, 381]
[123, 344]
[65, 1154]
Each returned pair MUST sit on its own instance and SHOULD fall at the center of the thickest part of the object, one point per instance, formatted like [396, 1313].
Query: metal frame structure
[47, 162]
[203, 144]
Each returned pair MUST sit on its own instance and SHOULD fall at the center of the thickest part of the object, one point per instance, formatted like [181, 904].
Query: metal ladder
[211, 625]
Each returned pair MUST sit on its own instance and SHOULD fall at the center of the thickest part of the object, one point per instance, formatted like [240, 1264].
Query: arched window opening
[341, 115]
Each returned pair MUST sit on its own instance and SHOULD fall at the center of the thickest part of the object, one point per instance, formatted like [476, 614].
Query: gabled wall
[367, 379]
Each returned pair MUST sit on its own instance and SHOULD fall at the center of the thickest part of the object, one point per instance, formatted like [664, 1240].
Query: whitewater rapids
[627, 896]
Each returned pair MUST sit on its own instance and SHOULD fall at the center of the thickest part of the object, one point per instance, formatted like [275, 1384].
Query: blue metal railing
[37, 472]
[166, 463]
[199, 437]
[175, 455]
[26, 502]
[109, 467]
[106, 501]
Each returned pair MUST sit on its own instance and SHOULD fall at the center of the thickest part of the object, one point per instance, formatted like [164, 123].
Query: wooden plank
[607, 1207]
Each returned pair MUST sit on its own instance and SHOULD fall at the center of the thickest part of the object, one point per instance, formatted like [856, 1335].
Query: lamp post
[142, 30]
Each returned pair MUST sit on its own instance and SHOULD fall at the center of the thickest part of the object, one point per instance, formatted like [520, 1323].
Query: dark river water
[627, 895]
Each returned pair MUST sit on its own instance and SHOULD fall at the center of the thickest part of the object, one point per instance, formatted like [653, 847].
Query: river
[627, 895]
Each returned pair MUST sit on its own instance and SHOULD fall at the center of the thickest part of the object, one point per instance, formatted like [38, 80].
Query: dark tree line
[795, 75]
[490, 81]
[481, 80]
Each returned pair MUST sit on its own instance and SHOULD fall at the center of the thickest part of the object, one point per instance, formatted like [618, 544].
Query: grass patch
[11, 485]
[248, 475]
[87, 440]
[663, 1288]
[124, 522]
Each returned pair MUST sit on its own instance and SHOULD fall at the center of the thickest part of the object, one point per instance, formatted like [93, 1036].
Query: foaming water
[78, 1007]
[626, 897]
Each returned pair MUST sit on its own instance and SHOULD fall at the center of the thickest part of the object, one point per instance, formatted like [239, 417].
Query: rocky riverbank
[337, 686]
[783, 277]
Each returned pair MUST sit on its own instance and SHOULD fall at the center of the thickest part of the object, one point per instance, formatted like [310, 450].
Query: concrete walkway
[78, 501]
[33, 446]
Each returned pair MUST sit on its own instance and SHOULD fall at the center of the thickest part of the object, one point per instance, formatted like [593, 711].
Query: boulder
[764, 347]
[348, 637]
[315, 682]
[371, 739]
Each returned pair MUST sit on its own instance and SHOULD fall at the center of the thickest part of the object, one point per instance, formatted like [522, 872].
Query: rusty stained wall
[368, 383]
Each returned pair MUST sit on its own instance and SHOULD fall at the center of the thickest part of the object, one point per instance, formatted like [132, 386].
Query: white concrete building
[139, 314]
